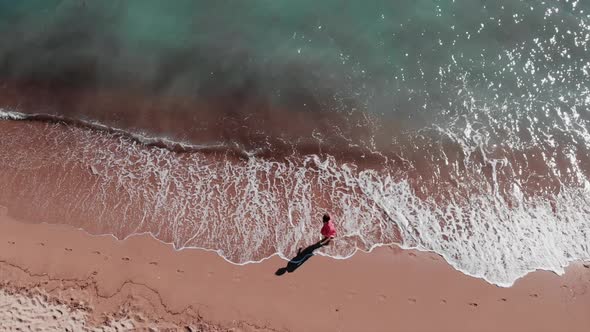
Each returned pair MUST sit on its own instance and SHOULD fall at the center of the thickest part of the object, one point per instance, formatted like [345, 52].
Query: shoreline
[394, 246]
[148, 282]
[109, 186]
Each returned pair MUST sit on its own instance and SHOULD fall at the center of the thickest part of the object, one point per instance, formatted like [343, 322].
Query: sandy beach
[140, 283]
[167, 166]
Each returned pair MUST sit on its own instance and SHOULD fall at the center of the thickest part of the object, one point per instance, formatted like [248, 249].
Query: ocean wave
[249, 209]
[141, 138]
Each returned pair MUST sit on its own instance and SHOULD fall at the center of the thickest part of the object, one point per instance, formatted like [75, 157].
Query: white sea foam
[239, 208]
[11, 115]
[486, 238]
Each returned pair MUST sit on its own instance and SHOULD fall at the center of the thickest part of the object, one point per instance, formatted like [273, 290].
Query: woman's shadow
[302, 256]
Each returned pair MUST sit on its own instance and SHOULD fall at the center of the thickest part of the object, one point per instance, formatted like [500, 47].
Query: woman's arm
[326, 240]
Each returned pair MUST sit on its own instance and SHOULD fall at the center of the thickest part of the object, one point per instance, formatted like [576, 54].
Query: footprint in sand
[473, 304]
[42, 244]
[180, 271]
[96, 252]
[412, 300]
[68, 249]
[412, 254]
[351, 294]
[154, 263]
[535, 295]
[11, 242]
[127, 259]
[443, 301]
[382, 298]
[504, 299]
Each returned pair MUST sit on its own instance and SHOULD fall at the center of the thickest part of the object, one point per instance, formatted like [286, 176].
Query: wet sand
[108, 184]
[143, 282]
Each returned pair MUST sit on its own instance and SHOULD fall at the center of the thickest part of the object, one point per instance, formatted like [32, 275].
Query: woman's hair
[326, 217]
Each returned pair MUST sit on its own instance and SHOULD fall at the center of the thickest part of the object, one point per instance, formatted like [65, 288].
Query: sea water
[457, 127]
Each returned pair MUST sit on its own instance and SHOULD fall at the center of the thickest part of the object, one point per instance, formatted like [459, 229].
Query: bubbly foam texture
[249, 209]
[246, 209]
[11, 115]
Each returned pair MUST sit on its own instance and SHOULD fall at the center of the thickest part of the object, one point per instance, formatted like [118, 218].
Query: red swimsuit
[328, 230]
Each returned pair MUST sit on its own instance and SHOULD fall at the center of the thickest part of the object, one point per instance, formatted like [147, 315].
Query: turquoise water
[383, 56]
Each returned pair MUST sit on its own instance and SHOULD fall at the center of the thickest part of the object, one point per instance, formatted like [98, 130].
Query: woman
[328, 230]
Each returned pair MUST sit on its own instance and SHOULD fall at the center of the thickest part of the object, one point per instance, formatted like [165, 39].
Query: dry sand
[34, 311]
[100, 283]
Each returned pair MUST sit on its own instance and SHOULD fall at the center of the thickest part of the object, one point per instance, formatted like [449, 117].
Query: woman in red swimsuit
[328, 230]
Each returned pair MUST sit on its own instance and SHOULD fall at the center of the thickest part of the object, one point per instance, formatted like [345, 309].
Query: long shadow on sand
[302, 256]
